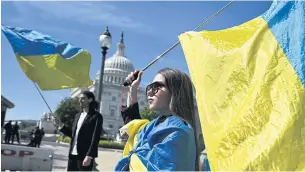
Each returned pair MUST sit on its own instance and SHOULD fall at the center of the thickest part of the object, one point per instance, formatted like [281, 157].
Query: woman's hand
[133, 88]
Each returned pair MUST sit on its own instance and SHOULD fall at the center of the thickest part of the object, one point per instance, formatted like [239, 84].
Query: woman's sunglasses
[155, 86]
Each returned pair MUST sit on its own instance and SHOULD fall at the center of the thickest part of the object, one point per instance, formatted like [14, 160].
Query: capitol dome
[119, 62]
[118, 66]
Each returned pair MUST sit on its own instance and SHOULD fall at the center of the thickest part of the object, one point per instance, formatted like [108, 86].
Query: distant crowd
[11, 131]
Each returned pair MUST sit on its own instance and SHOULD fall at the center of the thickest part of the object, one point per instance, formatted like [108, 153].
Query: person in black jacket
[8, 131]
[85, 134]
[39, 137]
[15, 133]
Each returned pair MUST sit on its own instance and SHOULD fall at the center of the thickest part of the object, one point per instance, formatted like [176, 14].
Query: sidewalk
[107, 159]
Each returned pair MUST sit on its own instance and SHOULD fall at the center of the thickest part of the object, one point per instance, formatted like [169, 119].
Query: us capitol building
[116, 70]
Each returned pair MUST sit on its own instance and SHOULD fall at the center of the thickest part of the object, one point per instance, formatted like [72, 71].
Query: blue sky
[149, 27]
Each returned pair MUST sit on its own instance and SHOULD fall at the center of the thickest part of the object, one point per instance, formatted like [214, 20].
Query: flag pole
[43, 98]
[178, 42]
[135, 75]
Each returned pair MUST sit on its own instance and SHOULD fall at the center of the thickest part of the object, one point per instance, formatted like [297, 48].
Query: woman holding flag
[169, 141]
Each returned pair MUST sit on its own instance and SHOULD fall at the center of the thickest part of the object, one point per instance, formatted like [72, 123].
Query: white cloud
[87, 13]
[45, 28]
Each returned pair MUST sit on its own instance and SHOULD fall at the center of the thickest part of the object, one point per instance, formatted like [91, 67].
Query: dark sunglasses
[155, 86]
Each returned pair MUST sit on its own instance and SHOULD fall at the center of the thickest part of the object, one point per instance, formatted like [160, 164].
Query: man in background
[8, 132]
[40, 136]
[85, 134]
[15, 132]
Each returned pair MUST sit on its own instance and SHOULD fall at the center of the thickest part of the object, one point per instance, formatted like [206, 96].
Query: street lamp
[105, 42]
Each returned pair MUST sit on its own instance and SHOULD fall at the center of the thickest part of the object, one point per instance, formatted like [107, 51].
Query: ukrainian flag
[52, 64]
[250, 89]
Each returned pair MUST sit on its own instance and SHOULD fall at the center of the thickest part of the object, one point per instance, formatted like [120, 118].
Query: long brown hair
[182, 99]
[93, 106]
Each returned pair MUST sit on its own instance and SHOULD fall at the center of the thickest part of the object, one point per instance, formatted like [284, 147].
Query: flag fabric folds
[132, 129]
[250, 90]
[155, 146]
[51, 63]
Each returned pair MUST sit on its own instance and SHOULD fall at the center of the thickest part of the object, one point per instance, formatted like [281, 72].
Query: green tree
[25, 124]
[148, 114]
[66, 110]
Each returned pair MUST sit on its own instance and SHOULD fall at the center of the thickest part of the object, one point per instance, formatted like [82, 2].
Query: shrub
[102, 143]
[67, 140]
[110, 144]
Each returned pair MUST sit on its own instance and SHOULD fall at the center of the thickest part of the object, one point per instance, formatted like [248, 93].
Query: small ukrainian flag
[52, 64]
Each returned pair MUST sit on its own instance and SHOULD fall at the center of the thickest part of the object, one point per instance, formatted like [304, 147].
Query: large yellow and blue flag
[51, 63]
[250, 90]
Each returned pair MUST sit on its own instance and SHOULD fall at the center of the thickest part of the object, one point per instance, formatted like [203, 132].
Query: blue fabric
[286, 21]
[168, 146]
[207, 165]
[27, 42]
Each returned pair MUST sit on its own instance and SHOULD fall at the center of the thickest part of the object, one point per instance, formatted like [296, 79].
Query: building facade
[47, 123]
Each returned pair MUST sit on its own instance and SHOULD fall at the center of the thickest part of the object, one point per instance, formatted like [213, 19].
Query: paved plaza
[106, 161]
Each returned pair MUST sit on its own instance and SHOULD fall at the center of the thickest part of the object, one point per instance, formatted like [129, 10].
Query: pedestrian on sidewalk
[15, 132]
[84, 134]
[32, 138]
[8, 131]
[39, 137]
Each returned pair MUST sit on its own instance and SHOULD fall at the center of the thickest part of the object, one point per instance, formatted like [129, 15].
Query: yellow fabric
[136, 164]
[132, 130]
[53, 72]
[251, 103]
